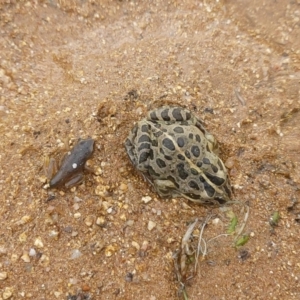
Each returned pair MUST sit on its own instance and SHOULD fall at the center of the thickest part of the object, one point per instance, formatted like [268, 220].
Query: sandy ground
[77, 69]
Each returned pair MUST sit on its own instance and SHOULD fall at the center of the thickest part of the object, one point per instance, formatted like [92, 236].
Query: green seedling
[242, 240]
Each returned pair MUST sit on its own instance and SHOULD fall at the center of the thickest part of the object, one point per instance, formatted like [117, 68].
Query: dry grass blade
[204, 252]
[244, 222]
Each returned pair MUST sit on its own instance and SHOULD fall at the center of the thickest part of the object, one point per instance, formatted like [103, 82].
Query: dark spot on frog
[193, 185]
[198, 139]
[143, 157]
[145, 128]
[161, 150]
[165, 115]
[220, 200]
[177, 114]
[160, 163]
[167, 157]
[227, 190]
[181, 171]
[206, 161]
[181, 157]
[214, 168]
[194, 172]
[71, 170]
[151, 154]
[152, 173]
[180, 142]
[191, 136]
[209, 189]
[215, 179]
[187, 154]
[195, 150]
[153, 116]
[167, 143]
[144, 138]
[178, 130]
[199, 164]
[154, 143]
[157, 134]
[144, 146]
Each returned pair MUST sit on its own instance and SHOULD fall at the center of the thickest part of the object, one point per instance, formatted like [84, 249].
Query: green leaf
[242, 240]
[274, 219]
[233, 223]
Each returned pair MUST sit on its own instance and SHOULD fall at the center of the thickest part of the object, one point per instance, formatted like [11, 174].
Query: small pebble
[75, 254]
[8, 292]
[68, 229]
[135, 245]
[100, 221]
[73, 281]
[89, 221]
[24, 220]
[109, 250]
[76, 206]
[123, 217]
[77, 215]
[3, 250]
[3, 275]
[85, 287]
[129, 223]
[146, 199]
[151, 225]
[14, 257]
[129, 277]
[77, 199]
[32, 252]
[23, 237]
[38, 243]
[123, 187]
[54, 234]
[230, 162]
[170, 240]
[25, 257]
[216, 221]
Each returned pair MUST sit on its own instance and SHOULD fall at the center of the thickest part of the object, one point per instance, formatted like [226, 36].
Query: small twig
[240, 97]
[199, 241]
[185, 296]
[223, 234]
[186, 237]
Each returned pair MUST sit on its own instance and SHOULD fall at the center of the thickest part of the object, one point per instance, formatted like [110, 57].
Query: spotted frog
[178, 156]
[73, 164]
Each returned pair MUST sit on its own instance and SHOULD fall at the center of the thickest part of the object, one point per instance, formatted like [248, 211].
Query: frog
[176, 154]
[71, 170]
